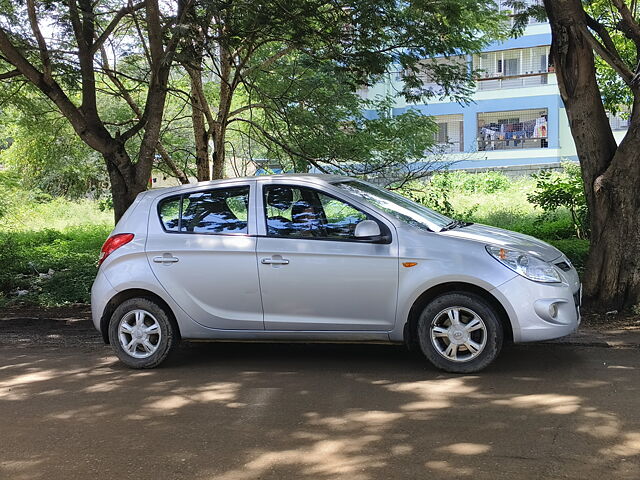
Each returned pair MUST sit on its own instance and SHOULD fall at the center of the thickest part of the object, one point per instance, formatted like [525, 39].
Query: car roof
[318, 178]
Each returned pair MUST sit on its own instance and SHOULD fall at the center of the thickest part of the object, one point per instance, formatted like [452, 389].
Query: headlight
[526, 265]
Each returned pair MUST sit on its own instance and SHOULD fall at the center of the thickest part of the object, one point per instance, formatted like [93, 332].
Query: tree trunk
[218, 152]
[124, 187]
[610, 173]
[612, 280]
[200, 134]
[168, 161]
[228, 84]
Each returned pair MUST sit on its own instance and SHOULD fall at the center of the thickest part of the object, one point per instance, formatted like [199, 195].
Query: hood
[507, 239]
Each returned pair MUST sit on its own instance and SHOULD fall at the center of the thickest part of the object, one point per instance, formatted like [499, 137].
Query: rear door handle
[166, 258]
[274, 261]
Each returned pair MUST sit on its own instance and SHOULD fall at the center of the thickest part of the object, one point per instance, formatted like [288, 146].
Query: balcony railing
[511, 143]
[449, 147]
[499, 82]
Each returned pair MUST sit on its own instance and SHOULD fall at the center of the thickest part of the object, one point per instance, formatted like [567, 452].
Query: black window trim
[384, 229]
[181, 197]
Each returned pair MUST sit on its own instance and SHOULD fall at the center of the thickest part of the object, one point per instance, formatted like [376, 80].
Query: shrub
[54, 267]
[556, 190]
[435, 197]
[465, 182]
[576, 249]
[437, 192]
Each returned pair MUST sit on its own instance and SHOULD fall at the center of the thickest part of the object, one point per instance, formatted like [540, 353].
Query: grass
[53, 214]
[49, 246]
[509, 209]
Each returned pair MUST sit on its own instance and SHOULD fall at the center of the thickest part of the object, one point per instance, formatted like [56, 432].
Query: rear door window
[218, 211]
[169, 210]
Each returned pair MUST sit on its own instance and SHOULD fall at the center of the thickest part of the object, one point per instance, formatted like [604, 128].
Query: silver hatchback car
[323, 258]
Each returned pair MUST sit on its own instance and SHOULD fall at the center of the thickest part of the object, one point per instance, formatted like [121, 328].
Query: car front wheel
[460, 332]
[141, 333]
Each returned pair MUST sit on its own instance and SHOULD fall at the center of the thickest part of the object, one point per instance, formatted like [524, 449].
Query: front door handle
[275, 260]
[166, 258]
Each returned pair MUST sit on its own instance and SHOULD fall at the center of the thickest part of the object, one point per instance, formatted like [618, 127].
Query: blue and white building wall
[516, 116]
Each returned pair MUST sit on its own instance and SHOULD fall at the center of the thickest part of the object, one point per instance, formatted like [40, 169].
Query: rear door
[202, 249]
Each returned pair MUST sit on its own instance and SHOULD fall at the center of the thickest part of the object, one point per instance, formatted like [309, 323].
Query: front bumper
[530, 305]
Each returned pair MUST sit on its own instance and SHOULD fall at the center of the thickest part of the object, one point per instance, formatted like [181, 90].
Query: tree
[253, 48]
[610, 171]
[313, 117]
[42, 147]
[106, 67]
[63, 68]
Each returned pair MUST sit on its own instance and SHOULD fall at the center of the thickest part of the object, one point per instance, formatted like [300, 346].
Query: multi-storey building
[516, 117]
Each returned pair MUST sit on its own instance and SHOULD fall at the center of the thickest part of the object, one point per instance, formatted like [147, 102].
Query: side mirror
[368, 230]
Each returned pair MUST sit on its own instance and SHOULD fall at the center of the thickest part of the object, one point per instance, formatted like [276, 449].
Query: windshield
[398, 206]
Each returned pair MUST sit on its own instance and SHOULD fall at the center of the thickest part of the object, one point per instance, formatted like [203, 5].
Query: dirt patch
[68, 325]
[607, 322]
[76, 311]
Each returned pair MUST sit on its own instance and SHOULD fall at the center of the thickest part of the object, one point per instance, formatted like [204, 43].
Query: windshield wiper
[455, 224]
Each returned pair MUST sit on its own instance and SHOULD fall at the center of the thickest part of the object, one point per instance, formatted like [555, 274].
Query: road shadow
[295, 411]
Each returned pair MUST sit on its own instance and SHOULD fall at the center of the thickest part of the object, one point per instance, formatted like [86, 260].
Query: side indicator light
[409, 264]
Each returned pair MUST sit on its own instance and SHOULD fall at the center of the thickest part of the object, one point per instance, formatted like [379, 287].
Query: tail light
[112, 244]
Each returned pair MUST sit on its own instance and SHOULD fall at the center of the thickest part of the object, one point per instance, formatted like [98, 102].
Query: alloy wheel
[139, 333]
[458, 334]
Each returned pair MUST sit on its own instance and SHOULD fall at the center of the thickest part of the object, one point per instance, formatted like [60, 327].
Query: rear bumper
[530, 306]
[101, 292]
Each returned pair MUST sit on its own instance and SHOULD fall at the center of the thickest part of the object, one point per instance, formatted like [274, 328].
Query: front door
[314, 274]
[200, 251]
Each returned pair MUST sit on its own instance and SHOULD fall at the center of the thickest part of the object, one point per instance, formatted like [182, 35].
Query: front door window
[306, 213]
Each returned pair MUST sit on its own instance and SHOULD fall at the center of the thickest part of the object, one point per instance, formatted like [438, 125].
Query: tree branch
[282, 145]
[238, 111]
[10, 74]
[160, 62]
[196, 84]
[269, 60]
[42, 45]
[603, 33]
[611, 57]
[166, 158]
[632, 29]
[94, 136]
[113, 24]
[119, 85]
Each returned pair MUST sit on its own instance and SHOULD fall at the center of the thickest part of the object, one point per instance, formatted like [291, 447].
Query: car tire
[460, 332]
[142, 333]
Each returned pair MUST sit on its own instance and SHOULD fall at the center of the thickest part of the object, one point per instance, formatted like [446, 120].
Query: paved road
[68, 410]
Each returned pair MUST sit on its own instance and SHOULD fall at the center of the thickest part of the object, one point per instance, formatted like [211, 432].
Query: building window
[449, 137]
[512, 67]
[618, 122]
[516, 68]
[363, 91]
[513, 129]
[432, 68]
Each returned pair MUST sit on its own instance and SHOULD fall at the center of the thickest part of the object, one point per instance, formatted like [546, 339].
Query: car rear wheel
[460, 332]
[141, 333]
